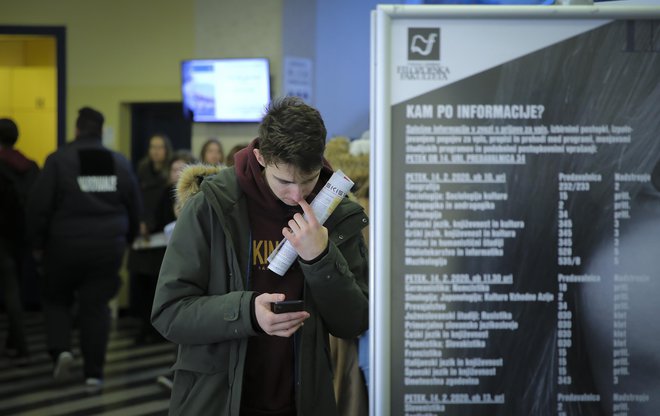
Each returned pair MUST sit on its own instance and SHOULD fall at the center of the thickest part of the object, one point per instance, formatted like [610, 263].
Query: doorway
[33, 94]
[33, 90]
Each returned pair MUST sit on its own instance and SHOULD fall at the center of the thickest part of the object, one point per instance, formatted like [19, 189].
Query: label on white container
[323, 205]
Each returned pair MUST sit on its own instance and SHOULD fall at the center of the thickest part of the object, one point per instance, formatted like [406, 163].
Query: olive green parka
[203, 305]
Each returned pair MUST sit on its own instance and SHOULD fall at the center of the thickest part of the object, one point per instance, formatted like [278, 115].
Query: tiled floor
[130, 386]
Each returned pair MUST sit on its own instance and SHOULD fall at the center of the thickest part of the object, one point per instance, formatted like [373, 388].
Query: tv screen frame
[225, 90]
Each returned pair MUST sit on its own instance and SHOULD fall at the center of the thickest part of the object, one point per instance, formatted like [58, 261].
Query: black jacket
[11, 212]
[17, 174]
[86, 193]
[152, 185]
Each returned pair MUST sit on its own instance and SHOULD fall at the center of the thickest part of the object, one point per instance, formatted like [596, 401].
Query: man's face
[286, 182]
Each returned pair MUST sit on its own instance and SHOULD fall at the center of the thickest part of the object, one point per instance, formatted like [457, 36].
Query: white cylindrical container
[323, 204]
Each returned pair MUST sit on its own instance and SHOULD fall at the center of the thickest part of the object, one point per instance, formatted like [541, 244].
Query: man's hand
[305, 234]
[280, 325]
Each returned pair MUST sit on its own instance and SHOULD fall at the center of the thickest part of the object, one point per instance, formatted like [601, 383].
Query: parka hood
[190, 181]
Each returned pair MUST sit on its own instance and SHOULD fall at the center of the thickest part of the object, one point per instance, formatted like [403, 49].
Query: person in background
[17, 174]
[153, 176]
[350, 375]
[364, 359]
[82, 212]
[144, 264]
[232, 152]
[215, 291]
[212, 153]
[163, 215]
[24, 169]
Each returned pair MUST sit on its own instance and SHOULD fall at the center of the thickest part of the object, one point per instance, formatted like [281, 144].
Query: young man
[214, 293]
[83, 211]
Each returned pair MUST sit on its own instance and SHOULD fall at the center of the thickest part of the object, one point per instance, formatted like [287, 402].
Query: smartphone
[286, 306]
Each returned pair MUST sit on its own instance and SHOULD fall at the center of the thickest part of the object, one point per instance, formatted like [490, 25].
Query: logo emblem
[423, 44]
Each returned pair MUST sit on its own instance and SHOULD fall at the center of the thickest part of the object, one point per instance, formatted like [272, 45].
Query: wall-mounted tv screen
[225, 90]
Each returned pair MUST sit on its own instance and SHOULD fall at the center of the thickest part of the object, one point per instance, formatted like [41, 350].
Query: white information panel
[515, 210]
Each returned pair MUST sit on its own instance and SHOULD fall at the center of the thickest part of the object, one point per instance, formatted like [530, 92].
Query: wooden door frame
[59, 32]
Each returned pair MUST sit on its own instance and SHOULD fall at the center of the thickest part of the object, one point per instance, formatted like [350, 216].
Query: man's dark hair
[8, 132]
[89, 123]
[292, 132]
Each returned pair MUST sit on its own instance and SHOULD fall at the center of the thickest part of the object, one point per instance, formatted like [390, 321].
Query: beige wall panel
[5, 91]
[40, 51]
[11, 50]
[33, 88]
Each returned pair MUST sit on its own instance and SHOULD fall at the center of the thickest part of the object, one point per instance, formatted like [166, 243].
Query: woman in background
[212, 153]
[165, 214]
[144, 264]
[153, 175]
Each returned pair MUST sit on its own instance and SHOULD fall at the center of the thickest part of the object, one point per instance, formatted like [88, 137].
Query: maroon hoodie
[16, 161]
[21, 169]
[25, 170]
[268, 385]
[21, 173]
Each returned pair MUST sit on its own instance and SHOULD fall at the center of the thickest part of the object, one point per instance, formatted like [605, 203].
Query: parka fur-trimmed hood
[190, 181]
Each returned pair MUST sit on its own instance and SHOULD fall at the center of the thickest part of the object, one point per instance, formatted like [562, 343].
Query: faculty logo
[423, 62]
[423, 44]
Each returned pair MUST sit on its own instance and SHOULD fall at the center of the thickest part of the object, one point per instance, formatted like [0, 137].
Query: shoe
[165, 382]
[62, 371]
[93, 385]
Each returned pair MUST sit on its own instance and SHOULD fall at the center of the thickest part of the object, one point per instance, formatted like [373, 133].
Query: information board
[515, 210]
